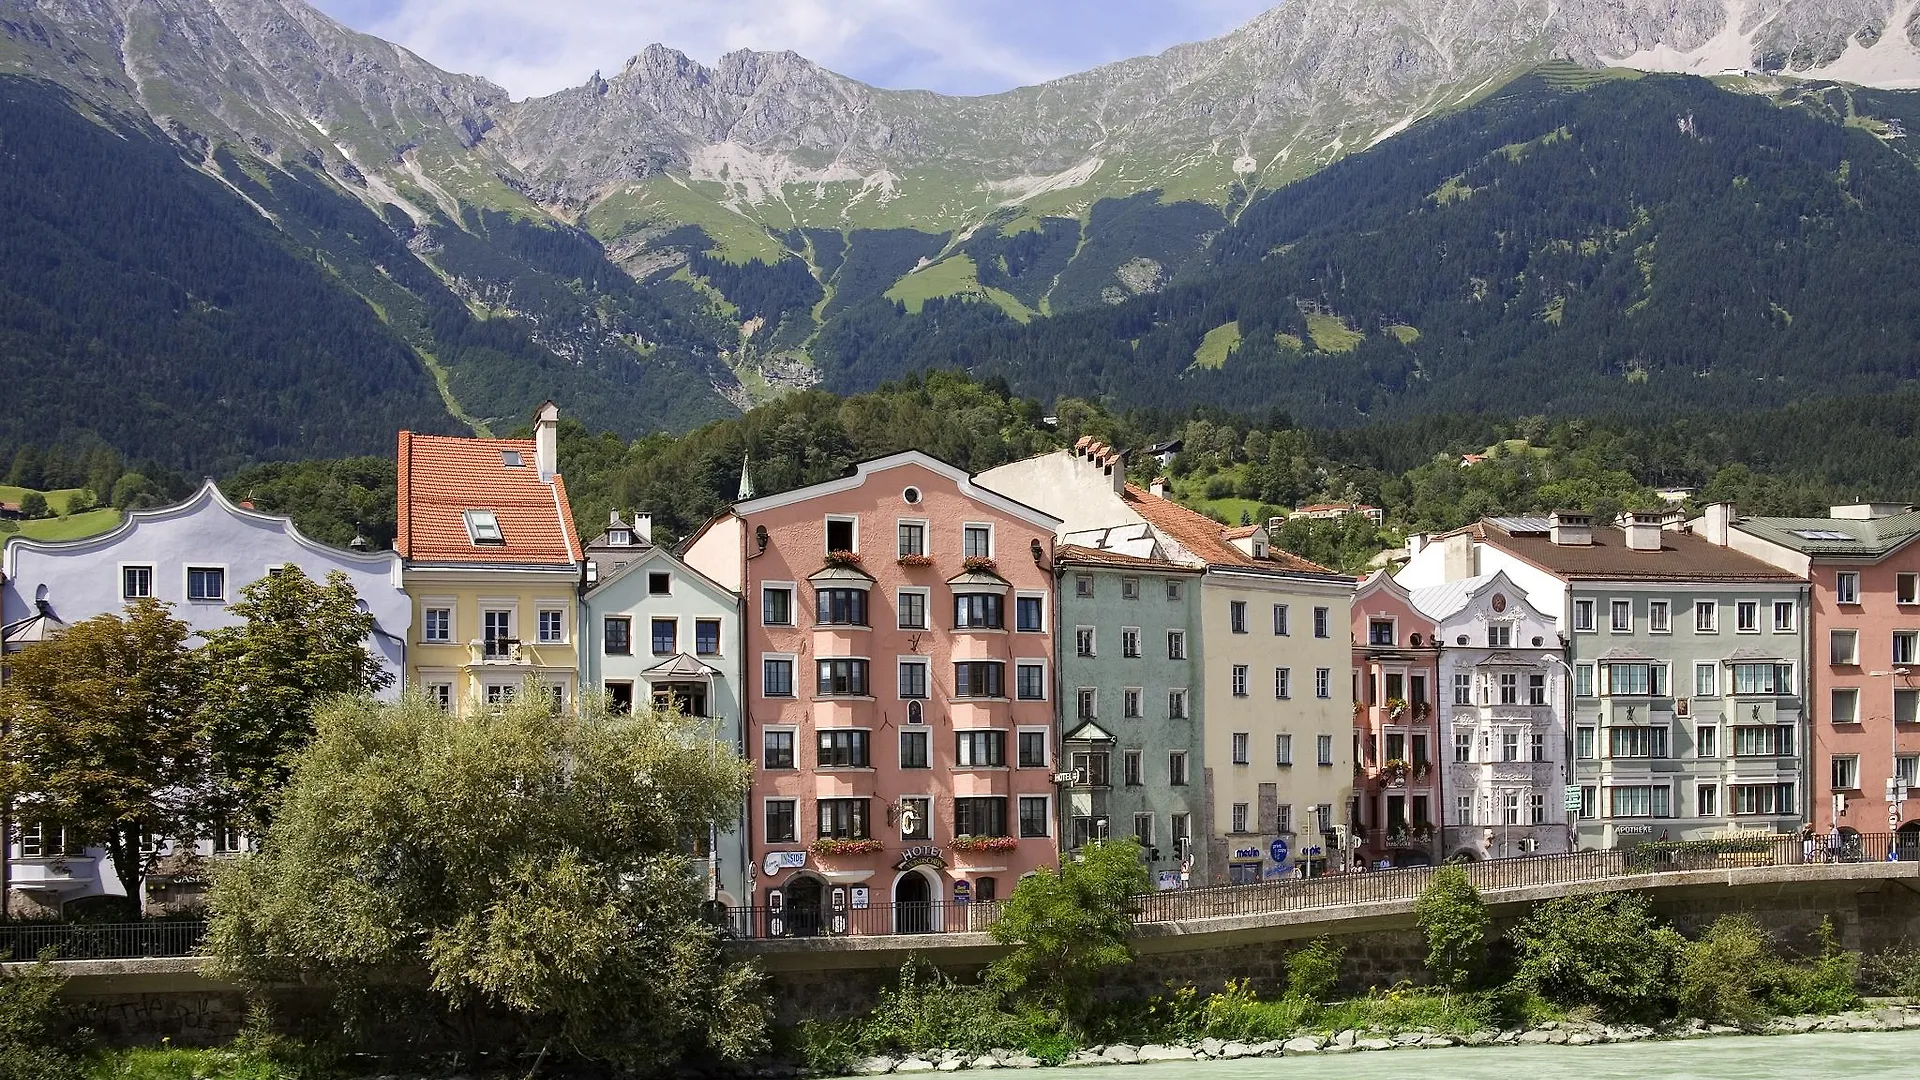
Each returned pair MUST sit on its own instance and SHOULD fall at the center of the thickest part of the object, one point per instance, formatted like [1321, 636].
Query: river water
[1868, 1055]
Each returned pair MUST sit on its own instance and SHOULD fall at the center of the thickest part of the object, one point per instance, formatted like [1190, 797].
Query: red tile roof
[1242, 532]
[443, 477]
[1076, 555]
[1683, 556]
[1207, 538]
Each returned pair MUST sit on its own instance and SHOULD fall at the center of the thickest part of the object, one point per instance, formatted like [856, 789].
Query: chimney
[1416, 543]
[1158, 487]
[1457, 557]
[1720, 517]
[1642, 529]
[1570, 528]
[546, 440]
[643, 529]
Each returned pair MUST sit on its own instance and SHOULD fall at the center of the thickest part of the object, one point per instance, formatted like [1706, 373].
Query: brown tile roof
[1076, 555]
[443, 477]
[1241, 533]
[1683, 556]
[1206, 538]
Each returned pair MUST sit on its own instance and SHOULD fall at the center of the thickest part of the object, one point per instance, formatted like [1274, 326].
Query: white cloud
[953, 46]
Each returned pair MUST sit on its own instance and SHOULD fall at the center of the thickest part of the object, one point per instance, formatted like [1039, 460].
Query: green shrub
[1313, 970]
[30, 1049]
[1068, 927]
[1892, 972]
[1826, 983]
[1404, 1008]
[1606, 950]
[927, 1010]
[825, 1047]
[1454, 919]
[1725, 976]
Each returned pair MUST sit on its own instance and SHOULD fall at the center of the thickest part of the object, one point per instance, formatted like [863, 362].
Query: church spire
[746, 479]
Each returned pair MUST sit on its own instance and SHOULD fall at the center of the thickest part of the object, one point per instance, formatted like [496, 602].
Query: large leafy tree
[526, 864]
[103, 736]
[1070, 925]
[300, 643]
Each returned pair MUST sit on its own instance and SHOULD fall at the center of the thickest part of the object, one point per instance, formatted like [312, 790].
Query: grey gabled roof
[1440, 602]
[680, 666]
[1868, 538]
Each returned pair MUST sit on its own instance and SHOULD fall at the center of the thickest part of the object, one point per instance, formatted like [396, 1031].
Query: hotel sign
[925, 855]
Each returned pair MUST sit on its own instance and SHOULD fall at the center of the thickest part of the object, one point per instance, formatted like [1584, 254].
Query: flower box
[915, 560]
[984, 843]
[827, 847]
[843, 558]
[974, 564]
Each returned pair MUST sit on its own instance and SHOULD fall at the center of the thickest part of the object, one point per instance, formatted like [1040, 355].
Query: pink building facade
[900, 698]
[1396, 785]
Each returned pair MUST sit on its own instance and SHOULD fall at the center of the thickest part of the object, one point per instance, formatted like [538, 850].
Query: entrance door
[803, 907]
[912, 905]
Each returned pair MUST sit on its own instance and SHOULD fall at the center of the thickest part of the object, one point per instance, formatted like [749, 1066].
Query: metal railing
[102, 941]
[804, 921]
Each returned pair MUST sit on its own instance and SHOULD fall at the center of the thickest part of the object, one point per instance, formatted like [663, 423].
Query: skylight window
[510, 458]
[1822, 534]
[483, 527]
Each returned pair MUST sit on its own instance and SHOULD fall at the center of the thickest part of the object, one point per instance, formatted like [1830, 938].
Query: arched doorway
[912, 904]
[803, 907]
[1906, 842]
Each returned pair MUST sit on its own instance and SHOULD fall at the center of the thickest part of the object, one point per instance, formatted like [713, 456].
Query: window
[1583, 680]
[1763, 678]
[1509, 688]
[206, 583]
[1130, 703]
[981, 749]
[1177, 768]
[1639, 800]
[841, 534]
[1283, 749]
[1706, 617]
[1637, 742]
[1634, 680]
[1320, 622]
[1237, 615]
[1659, 617]
[1846, 705]
[137, 582]
[1585, 745]
[843, 819]
[843, 748]
[1033, 748]
[1539, 746]
[1499, 636]
[1906, 706]
[1282, 683]
[500, 693]
[1589, 801]
[914, 749]
[1182, 828]
[781, 824]
[913, 679]
[1035, 816]
[1323, 749]
[1173, 591]
[1620, 618]
[776, 678]
[1176, 644]
[979, 679]
[1706, 743]
[1846, 587]
[1906, 588]
[1462, 746]
[1509, 746]
[1143, 831]
[1536, 690]
[438, 626]
[980, 816]
[1761, 798]
[1239, 680]
[1130, 642]
[1846, 772]
[1463, 809]
[1746, 617]
[1087, 829]
[1030, 614]
[1129, 588]
[1843, 647]
[620, 697]
[841, 607]
[1537, 808]
[1083, 585]
[1030, 682]
[659, 583]
[666, 636]
[776, 606]
[1583, 615]
[976, 541]
[1087, 701]
[1239, 748]
[1083, 641]
[776, 748]
[1907, 768]
[1323, 683]
[616, 635]
[1176, 704]
[1283, 818]
[1280, 628]
[912, 610]
[979, 611]
[843, 678]
[1783, 616]
[913, 538]
[1706, 680]
[551, 626]
[1903, 646]
[441, 694]
[483, 527]
[1765, 740]
[1131, 768]
[917, 810]
[1238, 818]
[1462, 688]
[1380, 632]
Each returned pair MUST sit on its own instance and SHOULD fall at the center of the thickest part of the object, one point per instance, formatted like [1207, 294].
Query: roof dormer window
[619, 538]
[483, 528]
[511, 459]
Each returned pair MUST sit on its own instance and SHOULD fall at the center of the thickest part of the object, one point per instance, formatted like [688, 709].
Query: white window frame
[1852, 637]
[798, 825]
[432, 687]
[1046, 616]
[1129, 588]
[543, 607]
[793, 677]
[1176, 590]
[1240, 748]
[926, 608]
[1906, 588]
[793, 602]
[1240, 679]
[1665, 608]
[1237, 815]
[1712, 610]
[153, 579]
[1013, 825]
[451, 605]
[828, 519]
[1136, 653]
[1712, 668]
[1185, 699]
[1283, 684]
[1323, 683]
[1323, 751]
[926, 820]
[1027, 729]
[1083, 586]
[992, 540]
[901, 662]
[1793, 616]
[1846, 583]
[226, 583]
[483, 522]
[677, 639]
[1613, 611]
[1282, 620]
[1585, 621]
[1852, 695]
[1852, 764]
[1181, 635]
[1046, 680]
[1283, 751]
[1738, 607]
[926, 538]
[1132, 702]
[1093, 642]
[925, 731]
[760, 763]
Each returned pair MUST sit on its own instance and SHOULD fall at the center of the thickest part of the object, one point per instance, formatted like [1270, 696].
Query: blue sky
[951, 46]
